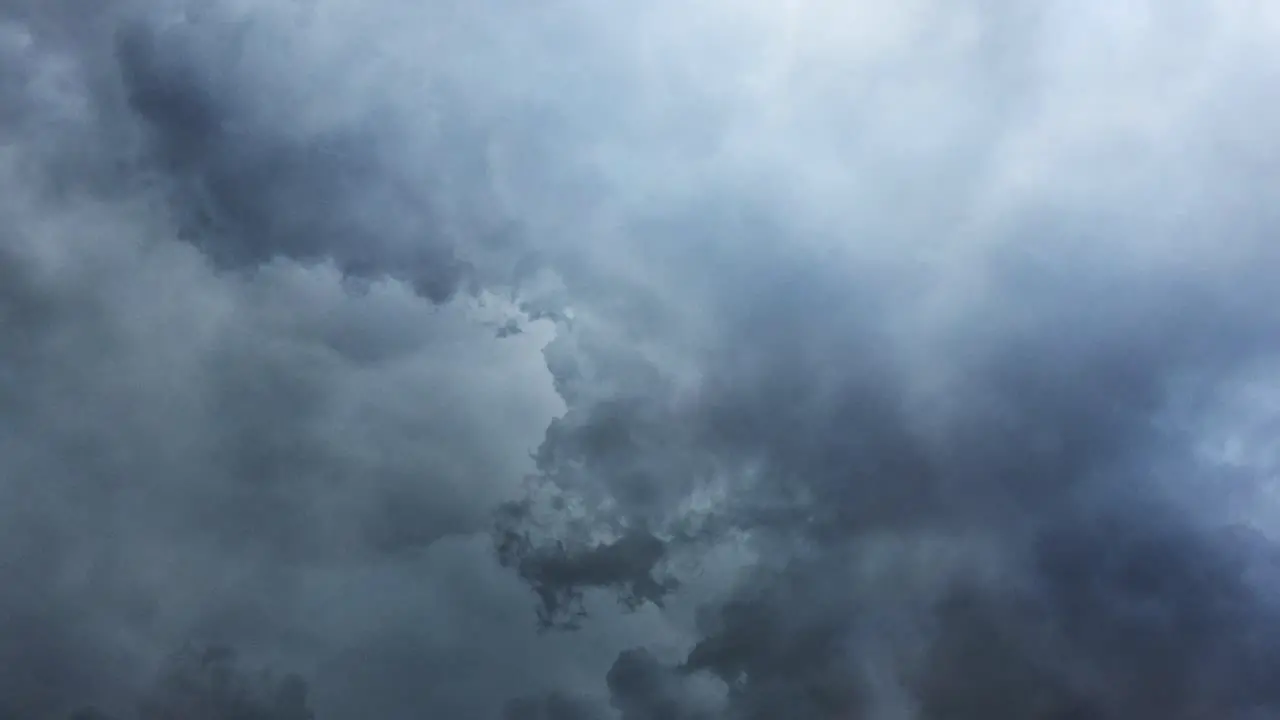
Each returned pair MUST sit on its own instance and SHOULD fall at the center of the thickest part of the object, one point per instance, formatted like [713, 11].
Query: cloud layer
[887, 363]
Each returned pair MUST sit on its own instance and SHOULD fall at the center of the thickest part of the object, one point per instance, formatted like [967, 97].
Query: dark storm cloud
[967, 477]
[253, 184]
[202, 450]
[884, 346]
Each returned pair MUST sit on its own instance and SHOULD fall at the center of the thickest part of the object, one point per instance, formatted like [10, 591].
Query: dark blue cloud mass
[556, 361]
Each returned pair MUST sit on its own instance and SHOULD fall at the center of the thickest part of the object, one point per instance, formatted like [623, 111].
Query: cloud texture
[806, 359]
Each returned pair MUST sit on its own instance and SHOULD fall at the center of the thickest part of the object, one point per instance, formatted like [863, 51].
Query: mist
[725, 361]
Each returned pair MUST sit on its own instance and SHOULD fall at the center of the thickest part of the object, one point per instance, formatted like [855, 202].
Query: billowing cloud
[909, 362]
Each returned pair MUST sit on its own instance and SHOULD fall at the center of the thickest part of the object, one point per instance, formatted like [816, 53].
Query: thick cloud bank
[723, 361]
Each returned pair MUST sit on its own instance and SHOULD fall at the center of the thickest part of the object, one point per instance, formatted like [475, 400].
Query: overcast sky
[727, 360]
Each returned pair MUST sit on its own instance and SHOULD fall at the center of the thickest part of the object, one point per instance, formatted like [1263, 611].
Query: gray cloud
[888, 362]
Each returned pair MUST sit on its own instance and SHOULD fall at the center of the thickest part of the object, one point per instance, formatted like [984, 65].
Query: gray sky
[897, 361]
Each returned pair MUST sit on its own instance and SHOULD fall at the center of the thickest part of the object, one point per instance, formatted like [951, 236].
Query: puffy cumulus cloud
[908, 362]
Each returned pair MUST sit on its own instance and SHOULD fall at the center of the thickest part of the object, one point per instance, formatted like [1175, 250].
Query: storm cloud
[729, 360]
